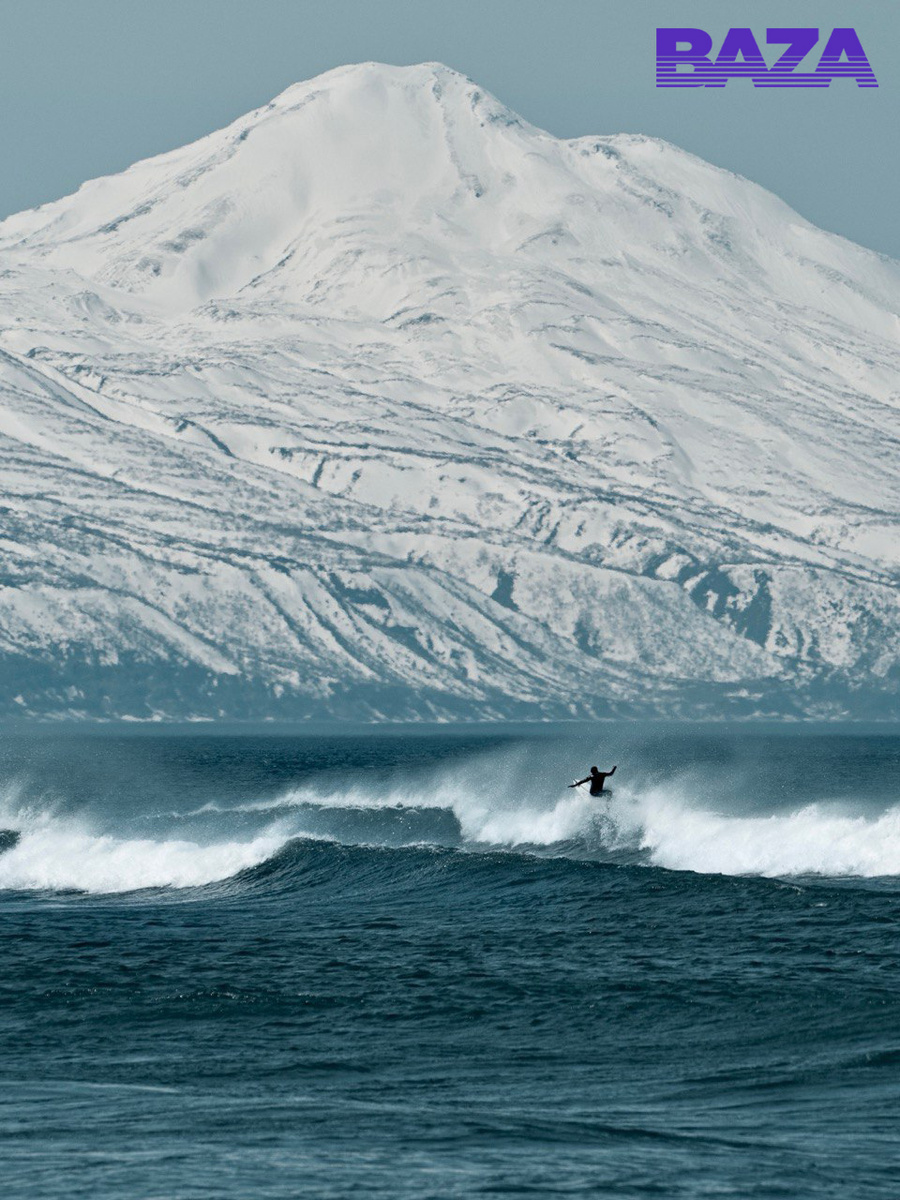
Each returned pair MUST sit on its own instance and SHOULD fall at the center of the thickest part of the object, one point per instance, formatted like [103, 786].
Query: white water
[662, 825]
[61, 859]
[664, 821]
[813, 840]
[56, 852]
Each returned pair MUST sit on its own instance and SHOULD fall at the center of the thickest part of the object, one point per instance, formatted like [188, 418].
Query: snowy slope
[381, 402]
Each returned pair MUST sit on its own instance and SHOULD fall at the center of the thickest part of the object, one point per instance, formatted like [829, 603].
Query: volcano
[381, 403]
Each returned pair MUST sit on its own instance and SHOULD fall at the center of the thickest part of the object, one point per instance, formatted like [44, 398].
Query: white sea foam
[667, 825]
[811, 840]
[664, 822]
[58, 858]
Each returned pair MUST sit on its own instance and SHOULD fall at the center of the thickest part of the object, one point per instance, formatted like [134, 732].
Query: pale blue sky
[89, 86]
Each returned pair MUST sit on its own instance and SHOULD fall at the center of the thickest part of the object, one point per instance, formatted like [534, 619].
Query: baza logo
[683, 59]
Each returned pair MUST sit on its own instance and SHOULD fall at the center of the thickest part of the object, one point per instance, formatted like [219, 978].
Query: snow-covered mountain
[382, 402]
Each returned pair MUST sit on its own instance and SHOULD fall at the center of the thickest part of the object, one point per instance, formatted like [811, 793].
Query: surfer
[596, 779]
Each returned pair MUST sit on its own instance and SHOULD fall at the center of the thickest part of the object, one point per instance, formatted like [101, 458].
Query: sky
[87, 88]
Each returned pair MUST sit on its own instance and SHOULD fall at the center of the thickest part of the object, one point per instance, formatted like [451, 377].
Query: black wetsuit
[596, 779]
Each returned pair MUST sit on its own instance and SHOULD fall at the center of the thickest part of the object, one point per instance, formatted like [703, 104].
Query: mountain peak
[354, 75]
[207, 219]
[416, 164]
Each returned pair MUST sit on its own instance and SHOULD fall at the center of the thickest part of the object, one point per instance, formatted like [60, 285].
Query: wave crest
[683, 823]
[58, 860]
[809, 841]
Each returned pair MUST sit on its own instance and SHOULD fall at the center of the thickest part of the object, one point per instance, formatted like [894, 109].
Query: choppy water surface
[419, 965]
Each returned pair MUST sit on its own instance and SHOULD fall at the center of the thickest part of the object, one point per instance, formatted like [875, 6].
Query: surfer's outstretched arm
[579, 782]
[613, 771]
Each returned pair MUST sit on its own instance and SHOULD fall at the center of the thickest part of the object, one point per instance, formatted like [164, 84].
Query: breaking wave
[813, 840]
[492, 803]
[59, 859]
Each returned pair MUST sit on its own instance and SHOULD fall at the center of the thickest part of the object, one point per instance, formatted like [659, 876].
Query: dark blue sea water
[418, 965]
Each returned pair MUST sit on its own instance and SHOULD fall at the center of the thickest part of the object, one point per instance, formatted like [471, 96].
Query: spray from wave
[810, 841]
[658, 826]
[55, 860]
[43, 848]
[509, 800]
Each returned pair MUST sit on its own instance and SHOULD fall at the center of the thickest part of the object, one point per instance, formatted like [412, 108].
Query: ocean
[415, 963]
